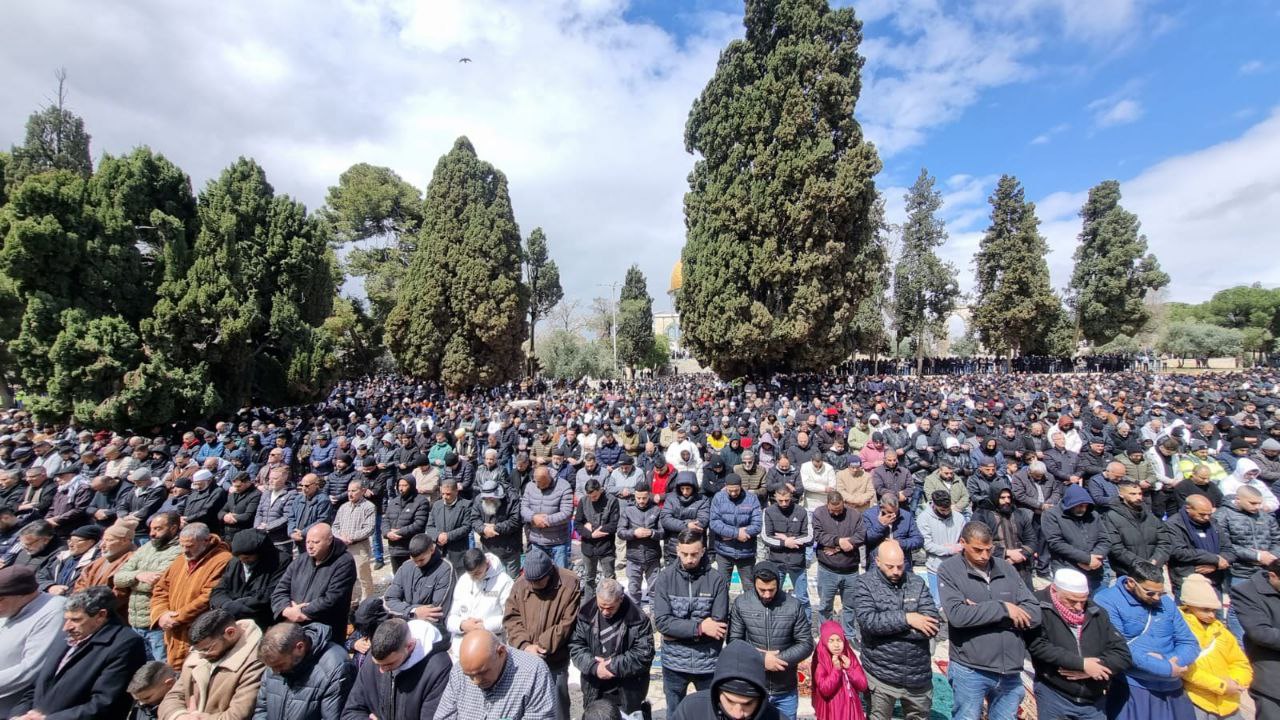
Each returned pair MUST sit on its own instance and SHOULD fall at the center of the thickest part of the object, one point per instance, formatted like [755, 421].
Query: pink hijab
[835, 689]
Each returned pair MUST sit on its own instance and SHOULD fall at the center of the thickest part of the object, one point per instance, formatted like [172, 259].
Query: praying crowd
[402, 552]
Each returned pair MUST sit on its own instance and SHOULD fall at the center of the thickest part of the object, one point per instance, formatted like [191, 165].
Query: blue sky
[582, 103]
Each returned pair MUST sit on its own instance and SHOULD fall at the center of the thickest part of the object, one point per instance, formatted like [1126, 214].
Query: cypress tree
[924, 286]
[1113, 270]
[778, 207]
[635, 320]
[542, 278]
[1014, 308]
[459, 315]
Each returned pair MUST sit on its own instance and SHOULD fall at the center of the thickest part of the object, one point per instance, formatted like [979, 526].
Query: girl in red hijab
[837, 677]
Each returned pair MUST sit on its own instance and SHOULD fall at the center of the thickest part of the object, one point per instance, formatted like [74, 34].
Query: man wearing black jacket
[596, 519]
[205, 502]
[409, 671]
[737, 689]
[1132, 533]
[612, 646]
[250, 577]
[495, 518]
[835, 528]
[241, 506]
[1076, 651]
[317, 586]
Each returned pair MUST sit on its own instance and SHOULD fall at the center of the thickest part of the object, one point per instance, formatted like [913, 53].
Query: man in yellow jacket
[1218, 677]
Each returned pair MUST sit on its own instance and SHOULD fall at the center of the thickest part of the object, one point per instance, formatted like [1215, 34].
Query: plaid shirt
[524, 692]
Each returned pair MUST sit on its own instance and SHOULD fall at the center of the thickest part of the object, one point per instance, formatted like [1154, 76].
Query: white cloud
[1210, 216]
[1045, 137]
[1252, 67]
[1109, 112]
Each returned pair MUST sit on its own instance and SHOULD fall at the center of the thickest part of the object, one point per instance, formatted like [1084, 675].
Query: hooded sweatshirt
[1244, 466]
[739, 662]
[413, 690]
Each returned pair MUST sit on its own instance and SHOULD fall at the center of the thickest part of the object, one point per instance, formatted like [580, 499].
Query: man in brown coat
[117, 548]
[541, 614]
[182, 592]
[220, 678]
[855, 486]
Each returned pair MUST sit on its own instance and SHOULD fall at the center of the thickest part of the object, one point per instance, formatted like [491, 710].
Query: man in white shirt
[30, 629]
[480, 597]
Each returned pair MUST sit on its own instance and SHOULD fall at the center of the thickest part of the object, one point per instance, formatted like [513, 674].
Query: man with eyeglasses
[1160, 642]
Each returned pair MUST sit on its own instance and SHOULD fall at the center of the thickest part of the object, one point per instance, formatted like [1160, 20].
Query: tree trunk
[528, 364]
[920, 354]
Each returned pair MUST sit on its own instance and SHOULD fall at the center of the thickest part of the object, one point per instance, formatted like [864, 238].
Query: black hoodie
[249, 598]
[739, 661]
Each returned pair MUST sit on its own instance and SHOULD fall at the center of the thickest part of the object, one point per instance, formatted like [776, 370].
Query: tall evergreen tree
[1014, 307]
[377, 215]
[1113, 270]
[542, 278]
[459, 315]
[262, 278]
[924, 286]
[778, 203]
[635, 320]
[56, 140]
[872, 336]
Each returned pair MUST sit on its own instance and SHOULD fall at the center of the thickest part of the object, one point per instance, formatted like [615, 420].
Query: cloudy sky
[583, 103]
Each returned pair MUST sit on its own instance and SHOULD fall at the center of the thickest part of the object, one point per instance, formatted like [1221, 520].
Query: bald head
[891, 560]
[482, 658]
[319, 540]
[1200, 503]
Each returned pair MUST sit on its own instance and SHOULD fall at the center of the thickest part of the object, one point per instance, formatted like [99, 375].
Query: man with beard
[1133, 534]
[407, 515]
[1161, 645]
[305, 673]
[1073, 534]
[245, 588]
[204, 502]
[612, 646]
[491, 471]
[836, 530]
[691, 610]
[1195, 544]
[449, 523]
[785, 475]
[892, 477]
[855, 486]
[182, 592]
[241, 505]
[495, 518]
[407, 676]
[103, 506]
[898, 620]
[540, 617]
[117, 548]
[597, 521]
[38, 496]
[139, 574]
[980, 483]
[1035, 490]
[787, 535]
[685, 509]
[222, 675]
[1198, 484]
[752, 475]
[1014, 531]
[422, 589]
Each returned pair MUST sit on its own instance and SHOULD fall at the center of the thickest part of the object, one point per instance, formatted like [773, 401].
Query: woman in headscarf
[838, 679]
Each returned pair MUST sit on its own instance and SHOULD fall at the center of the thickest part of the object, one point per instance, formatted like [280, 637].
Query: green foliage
[459, 315]
[966, 346]
[378, 215]
[44, 227]
[1113, 270]
[659, 353]
[566, 356]
[924, 287]
[1245, 306]
[779, 201]
[1015, 305]
[1186, 312]
[635, 320]
[89, 360]
[354, 336]
[1193, 339]
[262, 277]
[542, 278]
[1119, 345]
[55, 140]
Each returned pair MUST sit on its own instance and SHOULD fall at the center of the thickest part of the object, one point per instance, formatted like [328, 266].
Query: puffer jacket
[780, 625]
[892, 650]
[1133, 537]
[406, 515]
[315, 689]
[1221, 658]
[148, 558]
[678, 511]
[602, 515]
[739, 662]
[630, 667]
[1071, 539]
[1152, 635]
[631, 517]
[682, 599]
[1055, 646]
[728, 516]
[1242, 535]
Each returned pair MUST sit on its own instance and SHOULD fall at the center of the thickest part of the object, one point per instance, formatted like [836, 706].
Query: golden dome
[677, 277]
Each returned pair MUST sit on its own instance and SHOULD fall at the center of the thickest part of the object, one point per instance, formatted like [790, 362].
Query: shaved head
[1202, 503]
[891, 561]
[482, 657]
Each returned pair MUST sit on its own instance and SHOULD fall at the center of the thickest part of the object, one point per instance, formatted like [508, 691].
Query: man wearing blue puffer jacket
[736, 521]
[1161, 644]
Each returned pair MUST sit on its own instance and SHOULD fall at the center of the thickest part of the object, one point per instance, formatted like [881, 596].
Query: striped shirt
[524, 691]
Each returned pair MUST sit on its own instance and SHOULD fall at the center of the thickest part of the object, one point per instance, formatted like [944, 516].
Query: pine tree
[1014, 307]
[542, 278]
[635, 320]
[1113, 270]
[56, 140]
[778, 206]
[924, 286]
[459, 315]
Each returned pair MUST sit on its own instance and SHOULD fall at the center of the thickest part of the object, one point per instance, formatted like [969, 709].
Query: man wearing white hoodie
[479, 598]
[1246, 473]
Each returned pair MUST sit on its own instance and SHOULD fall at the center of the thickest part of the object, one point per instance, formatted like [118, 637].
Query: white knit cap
[1068, 580]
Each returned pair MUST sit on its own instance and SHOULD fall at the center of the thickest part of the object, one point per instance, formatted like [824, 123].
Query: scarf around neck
[1073, 618]
[1203, 538]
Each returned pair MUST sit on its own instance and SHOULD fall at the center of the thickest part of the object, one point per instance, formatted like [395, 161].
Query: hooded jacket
[1023, 525]
[1221, 658]
[249, 598]
[1073, 539]
[1159, 630]
[407, 515]
[544, 617]
[486, 600]
[323, 588]
[739, 661]
[1237, 478]
[678, 511]
[412, 691]
[184, 589]
[728, 516]
[682, 599]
